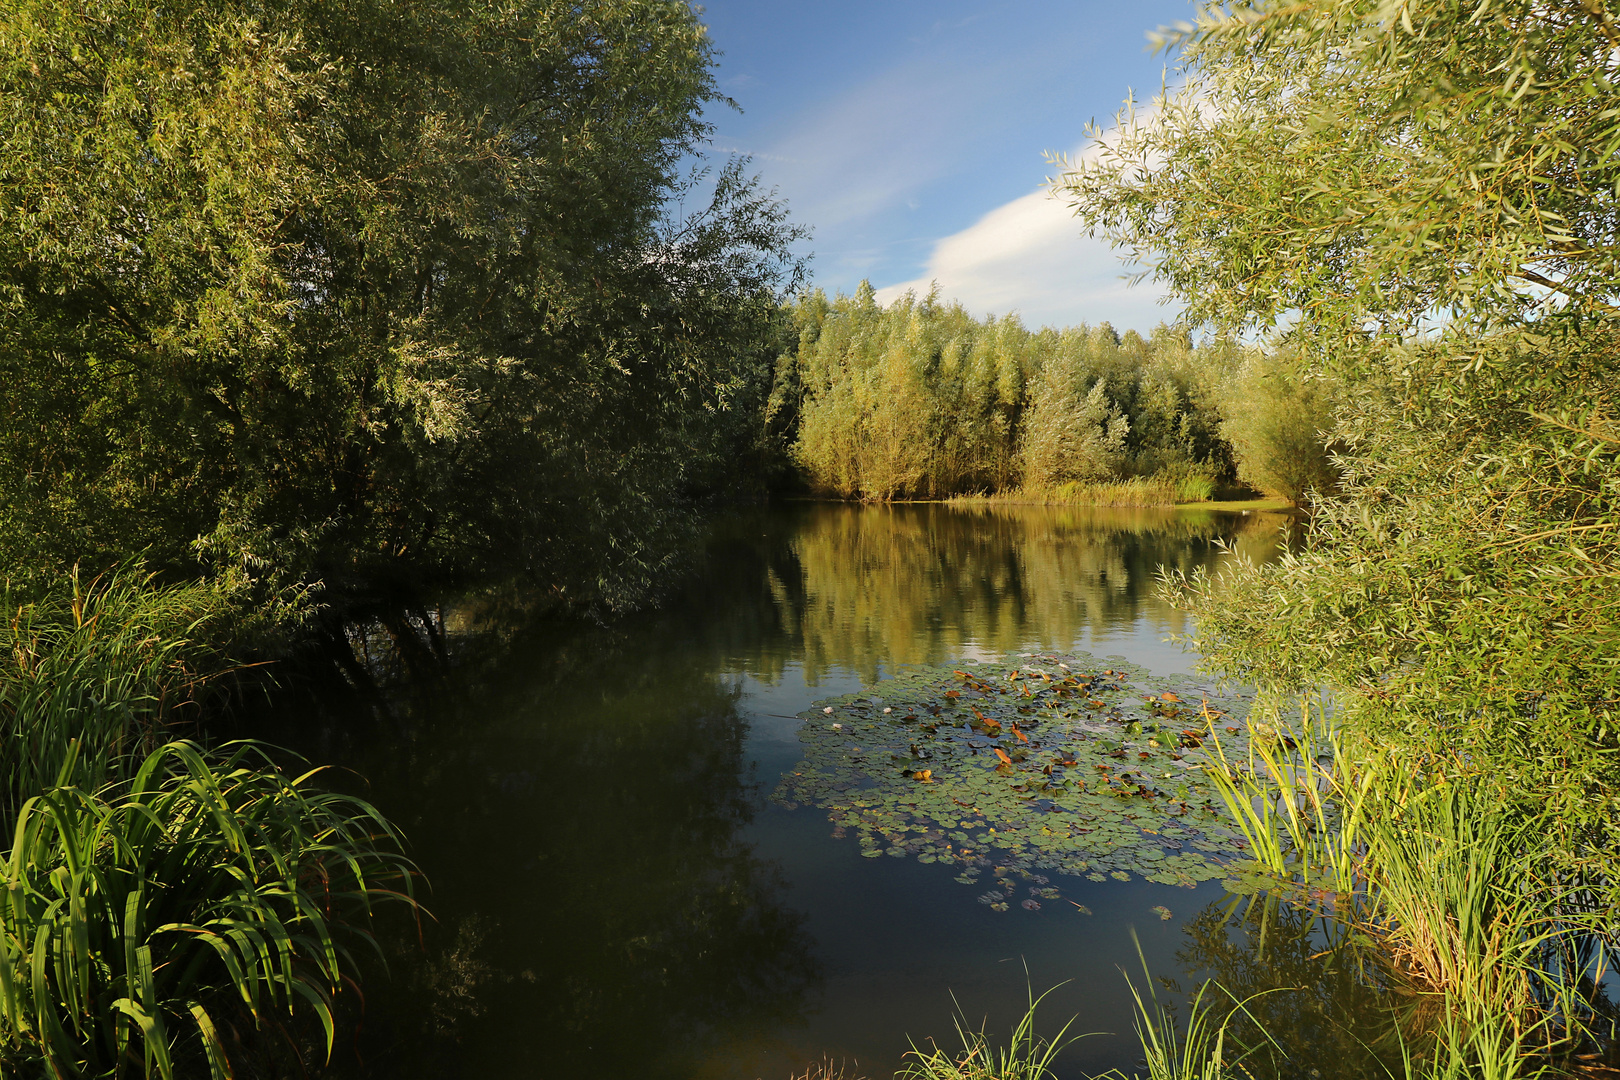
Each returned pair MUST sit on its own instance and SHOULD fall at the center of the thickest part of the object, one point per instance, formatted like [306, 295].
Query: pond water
[617, 895]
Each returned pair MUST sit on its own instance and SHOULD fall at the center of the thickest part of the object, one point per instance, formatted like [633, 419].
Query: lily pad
[1037, 763]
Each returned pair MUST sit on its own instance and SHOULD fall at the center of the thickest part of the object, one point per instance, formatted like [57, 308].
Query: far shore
[1261, 505]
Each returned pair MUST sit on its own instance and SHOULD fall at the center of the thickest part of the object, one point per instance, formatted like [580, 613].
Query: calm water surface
[614, 894]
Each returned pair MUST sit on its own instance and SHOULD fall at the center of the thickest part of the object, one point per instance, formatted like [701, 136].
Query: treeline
[921, 400]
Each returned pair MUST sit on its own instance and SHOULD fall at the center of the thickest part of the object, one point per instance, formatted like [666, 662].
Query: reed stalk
[1464, 907]
[1299, 817]
[163, 924]
[96, 672]
[1201, 1051]
[1494, 954]
[1027, 1056]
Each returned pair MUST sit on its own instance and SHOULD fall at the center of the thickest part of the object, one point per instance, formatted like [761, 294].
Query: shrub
[1277, 422]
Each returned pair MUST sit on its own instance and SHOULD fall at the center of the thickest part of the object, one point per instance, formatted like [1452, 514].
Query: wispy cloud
[741, 151]
[871, 149]
[864, 153]
[902, 152]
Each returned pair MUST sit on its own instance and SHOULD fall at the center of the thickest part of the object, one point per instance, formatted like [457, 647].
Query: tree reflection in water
[910, 584]
[576, 802]
[576, 793]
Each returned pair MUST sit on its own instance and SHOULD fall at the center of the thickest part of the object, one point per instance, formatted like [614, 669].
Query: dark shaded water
[616, 898]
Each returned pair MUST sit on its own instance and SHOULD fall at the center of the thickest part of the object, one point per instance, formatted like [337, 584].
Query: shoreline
[1261, 505]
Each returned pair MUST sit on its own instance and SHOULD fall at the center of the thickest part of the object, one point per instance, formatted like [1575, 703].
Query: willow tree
[916, 399]
[369, 295]
[1428, 194]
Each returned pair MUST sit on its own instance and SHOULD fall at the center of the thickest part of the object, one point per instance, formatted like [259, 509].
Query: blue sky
[911, 137]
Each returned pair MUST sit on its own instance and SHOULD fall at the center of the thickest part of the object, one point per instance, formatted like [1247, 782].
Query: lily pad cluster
[1061, 763]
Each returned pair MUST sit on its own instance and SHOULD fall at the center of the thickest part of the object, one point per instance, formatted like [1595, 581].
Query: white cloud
[873, 166]
[1031, 256]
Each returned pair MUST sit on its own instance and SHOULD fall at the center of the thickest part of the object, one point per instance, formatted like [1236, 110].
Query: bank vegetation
[1418, 202]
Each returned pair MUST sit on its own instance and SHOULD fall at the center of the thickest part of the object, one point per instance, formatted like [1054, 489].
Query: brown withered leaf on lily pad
[1059, 764]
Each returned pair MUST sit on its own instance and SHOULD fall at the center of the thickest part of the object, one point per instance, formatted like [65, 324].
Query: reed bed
[1157, 490]
[1446, 875]
[1297, 802]
[1026, 1055]
[97, 672]
[160, 926]
[1200, 1049]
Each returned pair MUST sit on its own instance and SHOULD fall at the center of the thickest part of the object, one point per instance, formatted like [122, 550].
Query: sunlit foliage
[371, 296]
[919, 399]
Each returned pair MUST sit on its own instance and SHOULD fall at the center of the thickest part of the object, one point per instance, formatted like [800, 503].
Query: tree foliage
[1428, 192]
[370, 295]
[1275, 419]
[919, 399]
[1073, 435]
[1370, 163]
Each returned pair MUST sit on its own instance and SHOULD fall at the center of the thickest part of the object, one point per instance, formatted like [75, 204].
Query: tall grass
[1497, 958]
[827, 1069]
[1160, 489]
[174, 919]
[1198, 1051]
[1457, 896]
[1026, 1056]
[1300, 816]
[1464, 905]
[95, 672]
